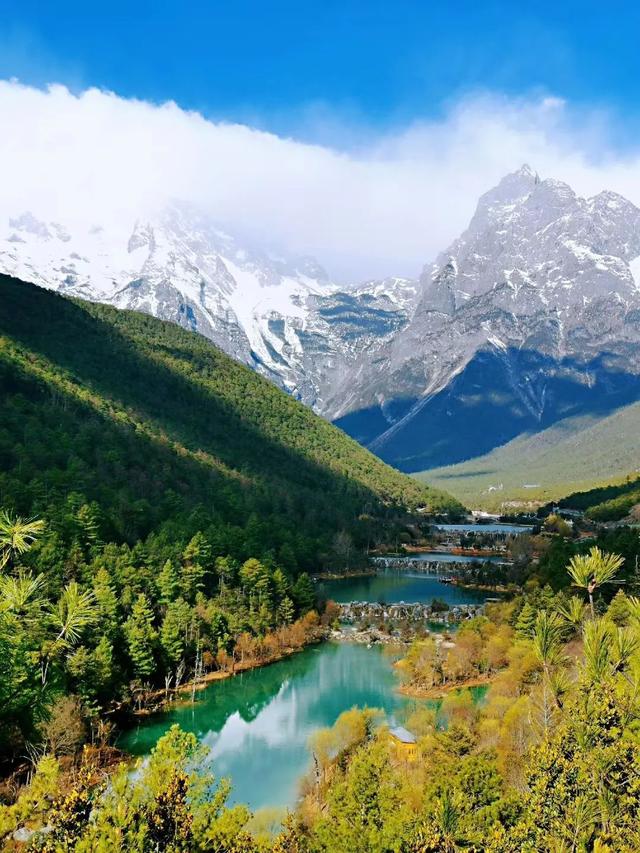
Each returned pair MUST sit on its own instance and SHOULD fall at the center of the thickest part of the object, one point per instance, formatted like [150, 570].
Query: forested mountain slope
[607, 503]
[158, 427]
[573, 454]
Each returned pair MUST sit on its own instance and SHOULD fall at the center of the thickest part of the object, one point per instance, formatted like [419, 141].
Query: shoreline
[484, 587]
[208, 678]
[441, 690]
[336, 576]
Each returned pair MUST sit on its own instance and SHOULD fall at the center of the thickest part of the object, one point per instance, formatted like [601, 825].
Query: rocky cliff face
[531, 315]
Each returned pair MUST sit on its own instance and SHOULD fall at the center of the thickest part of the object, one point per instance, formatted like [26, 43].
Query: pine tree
[281, 584]
[141, 637]
[168, 583]
[304, 594]
[88, 519]
[249, 572]
[197, 564]
[219, 630]
[193, 581]
[174, 628]
[285, 611]
[287, 558]
[618, 610]
[526, 623]
[106, 603]
[227, 571]
[262, 620]
[198, 551]
[103, 666]
[264, 587]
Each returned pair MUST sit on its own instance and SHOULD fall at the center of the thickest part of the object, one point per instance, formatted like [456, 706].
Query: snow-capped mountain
[281, 316]
[532, 314]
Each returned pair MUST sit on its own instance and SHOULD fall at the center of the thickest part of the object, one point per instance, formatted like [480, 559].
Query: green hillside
[158, 427]
[606, 503]
[573, 455]
[180, 502]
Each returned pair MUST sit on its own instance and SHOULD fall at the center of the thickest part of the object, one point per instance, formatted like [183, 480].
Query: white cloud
[387, 206]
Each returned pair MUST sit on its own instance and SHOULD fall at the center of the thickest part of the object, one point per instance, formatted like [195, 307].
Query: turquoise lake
[498, 527]
[257, 724]
[393, 587]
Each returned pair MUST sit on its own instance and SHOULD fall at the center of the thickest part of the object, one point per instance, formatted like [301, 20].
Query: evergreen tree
[198, 549]
[168, 583]
[304, 594]
[286, 611]
[103, 667]
[281, 584]
[264, 587]
[141, 637]
[197, 565]
[618, 610]
[287, 558]
[174, 628]
[88, 520]
[17, 536]
[108, 610]
[219, 631]
[227, 571]
[261, 620]
[526, 622]
[192, 581]
[257, 582]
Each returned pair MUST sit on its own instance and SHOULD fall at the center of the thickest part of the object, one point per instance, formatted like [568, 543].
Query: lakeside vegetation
[162, 507]
[549, 760]
[121, 636]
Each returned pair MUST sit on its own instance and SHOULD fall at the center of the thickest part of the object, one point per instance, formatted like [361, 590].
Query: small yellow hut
[404, 743]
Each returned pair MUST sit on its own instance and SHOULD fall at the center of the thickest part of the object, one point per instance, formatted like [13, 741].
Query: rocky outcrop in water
[439, 568]
[355, 612]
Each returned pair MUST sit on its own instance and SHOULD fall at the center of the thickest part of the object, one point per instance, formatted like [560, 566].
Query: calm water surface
[257, 725]
[448, 557]
[393, 587]
[485, 528]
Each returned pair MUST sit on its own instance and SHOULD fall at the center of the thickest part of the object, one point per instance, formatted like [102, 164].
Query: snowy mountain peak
[525, 171]
[511, 189]
[279, 314]
[536, 303]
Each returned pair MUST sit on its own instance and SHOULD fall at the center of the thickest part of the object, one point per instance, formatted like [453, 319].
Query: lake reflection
[393, 587]
[498, 527]
[257, 725]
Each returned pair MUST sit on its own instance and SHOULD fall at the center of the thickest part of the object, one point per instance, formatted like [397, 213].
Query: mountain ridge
[524, 277]
[155, 423]
[539, 293]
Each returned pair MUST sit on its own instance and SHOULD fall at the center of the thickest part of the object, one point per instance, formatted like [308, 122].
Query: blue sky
[310, 68]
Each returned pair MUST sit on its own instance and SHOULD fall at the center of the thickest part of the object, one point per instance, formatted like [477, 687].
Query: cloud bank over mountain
[381, 207]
